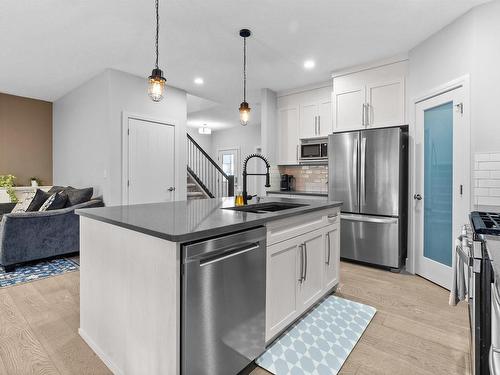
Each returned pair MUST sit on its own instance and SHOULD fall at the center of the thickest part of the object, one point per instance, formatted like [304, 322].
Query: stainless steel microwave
[314, 150]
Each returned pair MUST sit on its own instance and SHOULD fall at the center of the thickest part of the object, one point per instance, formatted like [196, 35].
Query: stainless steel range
[480, 285]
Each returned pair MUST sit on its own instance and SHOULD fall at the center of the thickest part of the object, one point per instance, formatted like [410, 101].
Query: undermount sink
[263, 208]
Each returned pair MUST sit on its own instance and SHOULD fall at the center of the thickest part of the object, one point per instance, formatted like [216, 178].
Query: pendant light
[156, 81]
[244, 108]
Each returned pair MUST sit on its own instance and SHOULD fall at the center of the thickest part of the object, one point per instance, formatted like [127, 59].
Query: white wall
[80, 122]
[88, 131]
[470, 45]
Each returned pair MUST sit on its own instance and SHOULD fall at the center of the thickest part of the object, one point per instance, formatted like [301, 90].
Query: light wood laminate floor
[413, 332]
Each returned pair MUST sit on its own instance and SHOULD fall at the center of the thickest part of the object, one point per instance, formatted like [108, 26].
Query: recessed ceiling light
[198, 81]
[309, 64]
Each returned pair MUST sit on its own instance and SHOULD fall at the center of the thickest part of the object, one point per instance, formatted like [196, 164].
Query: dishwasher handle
[229, 254]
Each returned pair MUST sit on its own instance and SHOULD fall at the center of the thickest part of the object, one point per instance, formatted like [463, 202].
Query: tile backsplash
[486, 179]
[307, 177]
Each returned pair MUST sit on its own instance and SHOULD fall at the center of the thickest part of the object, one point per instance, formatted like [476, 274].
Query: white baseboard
[108, 362]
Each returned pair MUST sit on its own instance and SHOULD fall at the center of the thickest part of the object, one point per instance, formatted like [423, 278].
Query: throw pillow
[56, 189]
[55, 202]
[77, 196]
[23, 206]
[39, 198]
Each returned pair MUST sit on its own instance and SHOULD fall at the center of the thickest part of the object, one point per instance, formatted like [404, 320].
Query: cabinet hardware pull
[297, 152]
[367, 114]
[319, 125]
[301, 263]
[329, 250]
[305, 263]
[363, 115]
[332, 216]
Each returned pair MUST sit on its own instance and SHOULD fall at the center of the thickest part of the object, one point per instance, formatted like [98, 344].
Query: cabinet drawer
[285, 229]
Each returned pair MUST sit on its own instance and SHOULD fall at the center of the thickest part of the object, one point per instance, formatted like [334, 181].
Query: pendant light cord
[157, 31]
[244, 69]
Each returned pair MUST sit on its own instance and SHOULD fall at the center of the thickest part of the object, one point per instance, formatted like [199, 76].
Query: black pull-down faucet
[246, 197]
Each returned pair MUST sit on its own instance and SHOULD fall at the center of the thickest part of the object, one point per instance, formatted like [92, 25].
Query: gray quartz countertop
[185, 221]
[299, 192]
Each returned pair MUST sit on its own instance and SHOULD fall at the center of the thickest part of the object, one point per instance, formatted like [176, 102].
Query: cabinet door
[386, 105]
[312, 261]
[325, 117]
[332, 256]
[308, 120]
[348, 110]
[288, 137]
[281, 286]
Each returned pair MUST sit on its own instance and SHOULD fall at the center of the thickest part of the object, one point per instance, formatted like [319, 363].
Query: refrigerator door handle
[363, 171]
[369, 219]
[355, 159]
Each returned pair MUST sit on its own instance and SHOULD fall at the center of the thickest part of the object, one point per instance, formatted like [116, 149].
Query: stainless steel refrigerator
[368, 172]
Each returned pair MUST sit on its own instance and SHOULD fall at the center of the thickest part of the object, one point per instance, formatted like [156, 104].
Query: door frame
[239, 165]
[126, 116]
[463, 82]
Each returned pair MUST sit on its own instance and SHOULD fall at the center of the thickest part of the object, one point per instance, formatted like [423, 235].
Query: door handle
[417, 197]
[363, 170]
[369, 219]
[171, 188]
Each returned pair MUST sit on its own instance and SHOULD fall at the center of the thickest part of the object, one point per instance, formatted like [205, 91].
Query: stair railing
[207, 173]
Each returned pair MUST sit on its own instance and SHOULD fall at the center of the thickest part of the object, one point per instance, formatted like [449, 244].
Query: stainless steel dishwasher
[223, 303]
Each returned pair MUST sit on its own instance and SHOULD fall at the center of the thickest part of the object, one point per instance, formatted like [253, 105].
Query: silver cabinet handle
[332, 216]
[329, 250]
[319, 125]
[305, 263]
[301, 278]
[297, 152]
[363, 115]
[368, 122]
[315, 125]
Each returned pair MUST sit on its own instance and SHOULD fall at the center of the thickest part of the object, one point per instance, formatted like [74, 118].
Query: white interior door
[151, 162]
[442, 188]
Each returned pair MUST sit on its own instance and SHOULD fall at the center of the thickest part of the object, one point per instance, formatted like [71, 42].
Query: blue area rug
[41, 270]
[319, 343]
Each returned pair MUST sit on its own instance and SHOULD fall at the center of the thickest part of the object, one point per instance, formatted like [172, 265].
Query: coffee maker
[286, 182]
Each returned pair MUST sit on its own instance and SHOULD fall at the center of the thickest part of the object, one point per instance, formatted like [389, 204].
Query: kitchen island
[153, 302]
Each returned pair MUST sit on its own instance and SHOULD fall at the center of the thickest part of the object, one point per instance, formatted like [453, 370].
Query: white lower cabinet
[300, 271]
[311, 260]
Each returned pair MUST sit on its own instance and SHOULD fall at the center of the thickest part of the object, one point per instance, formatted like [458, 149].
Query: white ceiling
[49, 47]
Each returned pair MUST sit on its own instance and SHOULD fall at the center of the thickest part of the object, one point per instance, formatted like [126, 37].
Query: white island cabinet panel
[282, 277]
[129, 298]
[311, 287]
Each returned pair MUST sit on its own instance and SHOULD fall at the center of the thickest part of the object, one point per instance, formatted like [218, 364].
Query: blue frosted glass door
[438, 183]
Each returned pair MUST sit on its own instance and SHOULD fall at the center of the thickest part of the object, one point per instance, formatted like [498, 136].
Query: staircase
[206, 179]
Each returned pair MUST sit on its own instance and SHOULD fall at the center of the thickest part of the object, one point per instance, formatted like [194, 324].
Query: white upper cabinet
[301, 115]
[348, 109]
[288, 136]
[385, 103]
[370, 98]
[308, 120]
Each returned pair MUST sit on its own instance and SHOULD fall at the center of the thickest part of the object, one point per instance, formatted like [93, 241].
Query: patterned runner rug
[320, 342]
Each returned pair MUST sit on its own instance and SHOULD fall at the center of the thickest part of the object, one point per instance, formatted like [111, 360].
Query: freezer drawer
[370, 239]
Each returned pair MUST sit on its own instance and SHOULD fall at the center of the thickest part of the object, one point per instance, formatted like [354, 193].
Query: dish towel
[458, 287]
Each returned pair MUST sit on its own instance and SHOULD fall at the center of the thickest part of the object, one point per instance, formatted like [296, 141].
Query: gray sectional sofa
[29, 236]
